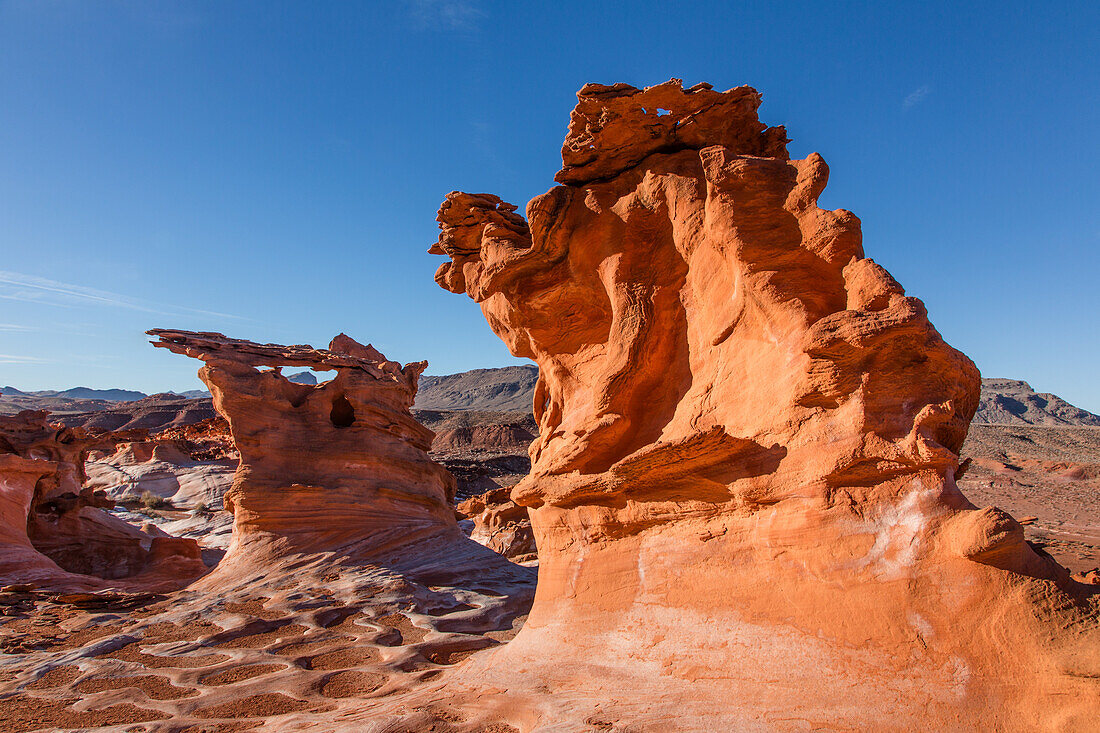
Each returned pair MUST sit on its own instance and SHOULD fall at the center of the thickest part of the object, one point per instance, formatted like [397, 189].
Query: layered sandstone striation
[162, 468]
[744, 488]
[53, 530]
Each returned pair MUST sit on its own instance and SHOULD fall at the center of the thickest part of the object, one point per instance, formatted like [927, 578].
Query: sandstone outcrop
[500, 524]
[206, 440]
[744, 487]
[54, 532]
[340, 466]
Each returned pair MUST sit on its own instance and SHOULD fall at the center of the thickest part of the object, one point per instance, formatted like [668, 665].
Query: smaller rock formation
[500, 524]
[341, 466]
[206, 440]
[53, 532]
[161, 468]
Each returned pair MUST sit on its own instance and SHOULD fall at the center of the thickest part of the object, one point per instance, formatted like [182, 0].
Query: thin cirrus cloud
[13, 359]
[916, 96]
[33, 289]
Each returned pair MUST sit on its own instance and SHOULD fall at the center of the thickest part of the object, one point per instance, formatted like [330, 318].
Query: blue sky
[272, 169]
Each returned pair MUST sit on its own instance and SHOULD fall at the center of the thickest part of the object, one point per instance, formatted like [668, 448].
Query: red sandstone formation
[500, 524]
[338, 466]
[743, 490]
[206, 440]
[53, 533]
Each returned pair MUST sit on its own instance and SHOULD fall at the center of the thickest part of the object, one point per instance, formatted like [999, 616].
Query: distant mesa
[507, 388]
[1014, 402]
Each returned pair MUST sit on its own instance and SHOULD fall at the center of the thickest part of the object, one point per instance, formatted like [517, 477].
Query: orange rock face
[743, 491]
[53, 532]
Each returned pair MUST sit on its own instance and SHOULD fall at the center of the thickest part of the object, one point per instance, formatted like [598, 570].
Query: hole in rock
[343, 414]
[663, 112]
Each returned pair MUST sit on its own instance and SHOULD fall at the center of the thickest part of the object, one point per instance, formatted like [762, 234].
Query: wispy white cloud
[34, 289]
[916, 96]
[454, 15]
[16, 327]
[13, 359]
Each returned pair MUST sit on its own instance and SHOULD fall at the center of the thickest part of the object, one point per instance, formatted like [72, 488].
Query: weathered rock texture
[159, 467]
[53, 532]
[743, 490]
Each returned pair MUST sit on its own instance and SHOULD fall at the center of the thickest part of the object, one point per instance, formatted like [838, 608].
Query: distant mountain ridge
[79, 393]
[125, 395]
[1014, 402]
[306, 377]
[503, 389]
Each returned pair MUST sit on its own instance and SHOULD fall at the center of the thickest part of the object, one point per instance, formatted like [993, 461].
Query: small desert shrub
[149, 500]
[202, 509]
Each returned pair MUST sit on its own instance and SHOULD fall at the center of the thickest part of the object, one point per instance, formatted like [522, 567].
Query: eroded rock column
[338, 467]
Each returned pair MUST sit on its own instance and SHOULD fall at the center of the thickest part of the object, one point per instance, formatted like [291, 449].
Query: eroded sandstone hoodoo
[53, 532]
[743, 491]
[338, 467]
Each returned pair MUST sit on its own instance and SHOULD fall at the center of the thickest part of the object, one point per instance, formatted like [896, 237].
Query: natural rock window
[342, 414]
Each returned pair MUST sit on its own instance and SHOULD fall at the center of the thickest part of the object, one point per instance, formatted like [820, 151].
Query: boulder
[500, 524]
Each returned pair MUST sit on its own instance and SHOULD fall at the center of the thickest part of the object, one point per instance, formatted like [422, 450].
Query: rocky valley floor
[1046, 476]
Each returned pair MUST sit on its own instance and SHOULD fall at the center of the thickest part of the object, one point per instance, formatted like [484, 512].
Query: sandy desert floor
[1048, 474]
